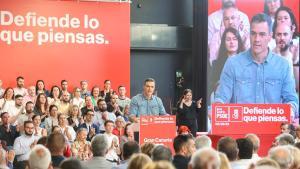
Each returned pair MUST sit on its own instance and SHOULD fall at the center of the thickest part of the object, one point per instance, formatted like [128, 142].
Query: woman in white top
[52, 120]
[8, 100]
[38, 131]
[67, 130]
[77, 100]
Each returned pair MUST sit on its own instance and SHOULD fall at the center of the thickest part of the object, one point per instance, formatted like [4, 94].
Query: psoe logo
[221, 114]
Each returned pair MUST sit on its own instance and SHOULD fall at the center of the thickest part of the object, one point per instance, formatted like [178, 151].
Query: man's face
[64, 85]
[29, 108]
[20, 83]
[5, 118]
[62, 120]
[89, 116]
[230, 18]
[283, 37]
[84, 85]
[109, 127]
[273, 5]
[149, 88]
[285, 129]
[29, 129]
[19, 101]
[259, 37]
[102, 106]
[31, 91]
[122, 91]
[66, 97]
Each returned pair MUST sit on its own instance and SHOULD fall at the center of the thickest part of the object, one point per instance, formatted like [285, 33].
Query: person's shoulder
[215, 14]
[138, 96]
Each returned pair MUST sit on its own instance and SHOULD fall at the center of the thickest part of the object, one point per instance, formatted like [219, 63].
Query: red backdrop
[53, 62]
[252, 7]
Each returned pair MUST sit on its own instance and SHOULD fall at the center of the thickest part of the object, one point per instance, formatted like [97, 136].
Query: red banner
[158, 130]
[249, 118]
[72, 40]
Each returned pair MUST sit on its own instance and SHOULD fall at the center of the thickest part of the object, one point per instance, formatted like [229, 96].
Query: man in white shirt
[65, 104]
[113, 142]
[25, 117]
[20, 87]
[17, 109]
[31, 95]
[122, 99]
[215, 20]
[24, 144]
[256, 144]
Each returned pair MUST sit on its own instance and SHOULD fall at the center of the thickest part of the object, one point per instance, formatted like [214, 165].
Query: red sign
[72, 40]
[158, 130]
[249, 118]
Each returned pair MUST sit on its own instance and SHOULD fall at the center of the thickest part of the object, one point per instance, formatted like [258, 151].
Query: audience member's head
[99, 145]
[70, 164]
[137, 161]
[42, 141]
[228, 146]
[296, 156]
[267, 163]
[161, 152]
[39, 158]
[159, 165]
[255, 141]
[225, 164]
[147, 148]
[202, 141]
[285, 139]
[205, 157]
[130, 148]
[245, 147]
[184, 145]
[56, 143]
[282, 155]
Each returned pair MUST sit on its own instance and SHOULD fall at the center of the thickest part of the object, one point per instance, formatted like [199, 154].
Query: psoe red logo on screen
[236, 113]
[222, 114]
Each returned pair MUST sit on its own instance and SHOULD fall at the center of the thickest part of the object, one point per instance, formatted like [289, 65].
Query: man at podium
[147, 103]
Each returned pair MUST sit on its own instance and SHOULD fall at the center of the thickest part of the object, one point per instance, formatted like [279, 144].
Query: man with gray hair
[161, 152]
[39, 158]
[282, 155]
[205, 158]
[202, 141]
[285, 139]
[256, 144]
[99, 147]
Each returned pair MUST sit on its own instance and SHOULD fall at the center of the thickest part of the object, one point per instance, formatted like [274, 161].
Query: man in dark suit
[92, 128]
[8, 132]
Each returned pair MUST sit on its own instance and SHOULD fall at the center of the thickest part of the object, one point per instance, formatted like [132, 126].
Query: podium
[158, 130]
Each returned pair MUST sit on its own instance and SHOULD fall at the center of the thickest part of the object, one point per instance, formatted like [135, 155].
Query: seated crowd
[56, 129]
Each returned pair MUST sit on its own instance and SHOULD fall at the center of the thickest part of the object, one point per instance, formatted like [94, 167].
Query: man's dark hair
[56, 142]
[161, 152]
[62, 81]
[27, 122]
[261, 17]
[228, 4]
[106, 81]
[70, 163]
[228, 146]
[42, 141]
[130, 148]
[108, 121]
[180, 141]
[29, 102]
[18, 96]
[20, 77]
[149, 80]
[2, 114]
[245, 148]
[120, 86]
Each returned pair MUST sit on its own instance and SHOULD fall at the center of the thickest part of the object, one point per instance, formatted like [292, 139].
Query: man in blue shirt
[258, 75]
[147, 103]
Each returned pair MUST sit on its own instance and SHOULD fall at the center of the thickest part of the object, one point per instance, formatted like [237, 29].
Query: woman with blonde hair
[224, 161]
[159, 165]
[137, 161]
[81, 148]
[75, 118]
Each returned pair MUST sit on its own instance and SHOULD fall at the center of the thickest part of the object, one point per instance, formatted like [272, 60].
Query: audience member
[245, 147]
[29, 106]
[84, 89]
[228, 146]
[71, 164]
[88, 106]
[40, 88]
[205, 158]
[159, 165]
[75, 119]
[282, 156]
[113, 142]
[64, 86]
[225, 164]
[76, 98]
[184, 147]
[285, 139]
[138, 161]
[161, 153]
[92, 129]
[202, 141]
[38, 131]
[56, 145]
[113, 105]
[39, 158]
[41, 106]
[8, 100]
[81, 148]
[129, 148]
[147, 148]
[67, 130]
[95, 93]
[256, 144]
[107, 91]
[65, 104]
[20, 89]
[52, 120]
[8, 132]
[122, 100]
[31, 95]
